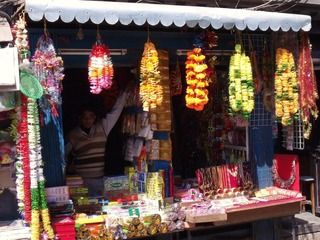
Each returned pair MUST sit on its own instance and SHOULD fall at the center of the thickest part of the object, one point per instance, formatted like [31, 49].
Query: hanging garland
[241, 90]
[197, 80]
[38, 195]
[48, 68]
[308, 85]
[20, 34]
[286, 87]
[22, 164]
[150, 88]
[100, 68]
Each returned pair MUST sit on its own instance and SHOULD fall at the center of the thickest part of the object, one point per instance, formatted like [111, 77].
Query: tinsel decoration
[197, 80]
[48, 68]
[308, 85]
[38, 195]
[100, 68]
[241, 90]
[286, 87]
[150, 88]
[23, 164]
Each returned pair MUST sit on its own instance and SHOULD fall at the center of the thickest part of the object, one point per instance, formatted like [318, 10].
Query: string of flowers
[150, 88]
[241, 90]
[22, 164]
[48, 68]
[100, 68]
[286, 87]
[38, 195]
[308, 85]
[197, 80]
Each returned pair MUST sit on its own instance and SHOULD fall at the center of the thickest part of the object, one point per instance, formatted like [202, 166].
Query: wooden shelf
[235, 147]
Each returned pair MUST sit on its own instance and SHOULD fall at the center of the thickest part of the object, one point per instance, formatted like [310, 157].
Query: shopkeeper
[85, 149]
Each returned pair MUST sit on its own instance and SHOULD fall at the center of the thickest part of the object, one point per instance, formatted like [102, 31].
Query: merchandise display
[178, 168]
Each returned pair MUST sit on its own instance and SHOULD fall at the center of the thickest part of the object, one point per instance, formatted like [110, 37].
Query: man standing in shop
[86, 145]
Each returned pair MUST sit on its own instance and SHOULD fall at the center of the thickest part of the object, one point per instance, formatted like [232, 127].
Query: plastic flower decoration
[48, 68]
[241, 90]
[308, 85]
[197, 81]
[100, 68]
[150, 88]
[286, 87]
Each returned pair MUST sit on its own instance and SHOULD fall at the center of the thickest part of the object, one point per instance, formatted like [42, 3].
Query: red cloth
[284, 167]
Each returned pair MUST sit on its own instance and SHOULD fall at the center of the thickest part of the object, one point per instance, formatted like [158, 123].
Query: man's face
[87, 119]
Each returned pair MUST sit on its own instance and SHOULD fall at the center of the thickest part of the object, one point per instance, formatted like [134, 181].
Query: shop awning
[167, 15]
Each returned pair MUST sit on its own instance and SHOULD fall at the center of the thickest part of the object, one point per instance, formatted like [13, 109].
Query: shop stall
[233, 91]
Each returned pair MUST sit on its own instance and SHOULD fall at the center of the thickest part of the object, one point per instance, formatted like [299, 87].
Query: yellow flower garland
[150, 88]
[241, 91]
[286, 87]
[196, 76]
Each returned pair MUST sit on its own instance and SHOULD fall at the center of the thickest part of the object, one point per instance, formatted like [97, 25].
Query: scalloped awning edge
[166, 15]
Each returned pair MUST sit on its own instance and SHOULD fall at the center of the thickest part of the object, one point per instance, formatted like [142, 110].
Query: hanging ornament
[197, 80]
[21, 41]
[150, 88]
[39, 209]
[241, 90]
[308, 85]
[22, 164]
[100, 68]
[286, 87]
[48, 68]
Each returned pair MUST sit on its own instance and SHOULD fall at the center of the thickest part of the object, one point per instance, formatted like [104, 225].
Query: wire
[284, 10]
[216, 2]
[262, 5]
[237, 4]
[148, 1]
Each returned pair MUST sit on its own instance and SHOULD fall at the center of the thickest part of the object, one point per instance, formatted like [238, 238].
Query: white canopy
[153, 14]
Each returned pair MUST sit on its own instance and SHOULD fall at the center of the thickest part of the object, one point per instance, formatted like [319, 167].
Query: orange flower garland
[196, 76]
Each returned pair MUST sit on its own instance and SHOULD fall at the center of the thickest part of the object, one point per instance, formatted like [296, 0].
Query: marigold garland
[197, 80]
[308, 85]
[241, 90]
[100, 68]
[150, 88]
[286, 87]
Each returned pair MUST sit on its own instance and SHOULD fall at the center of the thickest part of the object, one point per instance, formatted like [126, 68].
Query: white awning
[153, 14]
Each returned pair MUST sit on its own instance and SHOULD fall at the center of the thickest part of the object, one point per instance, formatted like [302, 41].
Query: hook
[148, 33]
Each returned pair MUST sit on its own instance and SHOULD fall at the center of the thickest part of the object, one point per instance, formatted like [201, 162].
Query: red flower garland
[23, 146]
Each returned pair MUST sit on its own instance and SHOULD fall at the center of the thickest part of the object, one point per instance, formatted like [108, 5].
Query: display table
[272, 209]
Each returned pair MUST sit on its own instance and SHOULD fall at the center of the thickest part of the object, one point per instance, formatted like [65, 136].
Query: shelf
[235, 147]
